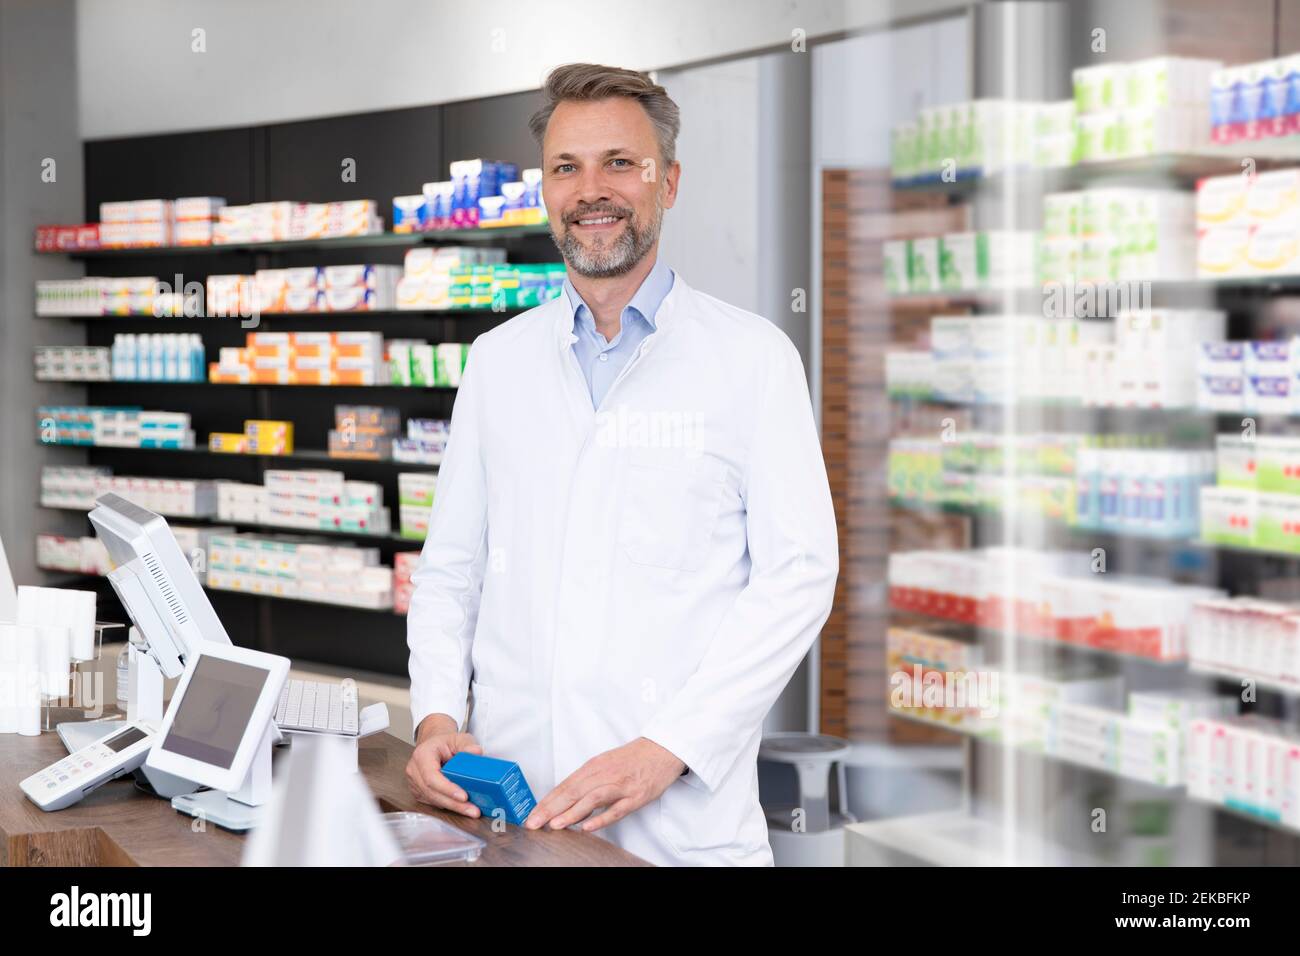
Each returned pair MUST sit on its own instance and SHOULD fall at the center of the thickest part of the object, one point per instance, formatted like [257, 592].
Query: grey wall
[38, 120]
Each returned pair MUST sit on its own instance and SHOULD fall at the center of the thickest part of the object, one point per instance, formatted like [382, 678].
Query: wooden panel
[859, 213]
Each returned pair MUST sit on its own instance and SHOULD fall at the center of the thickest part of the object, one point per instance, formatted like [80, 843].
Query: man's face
[604, 189]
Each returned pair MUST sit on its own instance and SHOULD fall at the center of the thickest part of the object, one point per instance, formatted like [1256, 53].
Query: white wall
[274, 60]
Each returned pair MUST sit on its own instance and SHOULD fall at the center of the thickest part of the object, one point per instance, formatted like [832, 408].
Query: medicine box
[494, 786]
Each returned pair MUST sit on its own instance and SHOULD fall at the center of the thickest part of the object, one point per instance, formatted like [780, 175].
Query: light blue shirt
[601, 361]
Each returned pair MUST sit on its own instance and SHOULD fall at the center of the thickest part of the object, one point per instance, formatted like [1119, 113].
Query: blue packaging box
[492, 784]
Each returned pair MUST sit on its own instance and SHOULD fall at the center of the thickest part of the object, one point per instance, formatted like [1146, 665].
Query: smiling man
[621, 605]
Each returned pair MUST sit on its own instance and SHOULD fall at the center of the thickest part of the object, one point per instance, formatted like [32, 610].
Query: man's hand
[438, 740]
[620, 780]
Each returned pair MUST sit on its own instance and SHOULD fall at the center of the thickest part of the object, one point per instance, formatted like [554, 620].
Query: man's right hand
[437, 741]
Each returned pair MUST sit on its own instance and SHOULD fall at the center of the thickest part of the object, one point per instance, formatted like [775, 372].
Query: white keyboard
[318, 707]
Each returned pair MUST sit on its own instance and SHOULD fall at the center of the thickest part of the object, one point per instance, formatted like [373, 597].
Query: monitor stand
[242, 810]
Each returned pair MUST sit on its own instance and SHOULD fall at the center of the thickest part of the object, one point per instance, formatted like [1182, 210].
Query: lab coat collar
[561, 313]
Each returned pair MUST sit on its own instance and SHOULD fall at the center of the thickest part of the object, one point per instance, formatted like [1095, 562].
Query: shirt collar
[645, 302]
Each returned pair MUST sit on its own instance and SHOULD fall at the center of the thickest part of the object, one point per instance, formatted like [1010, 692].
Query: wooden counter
[118, 825]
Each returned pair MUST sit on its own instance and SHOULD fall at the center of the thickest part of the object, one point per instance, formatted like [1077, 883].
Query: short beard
[618, 257]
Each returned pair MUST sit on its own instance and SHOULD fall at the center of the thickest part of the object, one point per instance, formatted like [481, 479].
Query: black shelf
[77, 578]
[314, 456]
[380, 240]
[388, 537]
[134, 383]
[295, 316]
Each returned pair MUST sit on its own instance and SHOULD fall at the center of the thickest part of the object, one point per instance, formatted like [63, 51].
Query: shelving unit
[395, 152]
[1026, 791]
[385, 240]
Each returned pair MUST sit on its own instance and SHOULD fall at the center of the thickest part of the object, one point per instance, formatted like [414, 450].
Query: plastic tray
[426, 840]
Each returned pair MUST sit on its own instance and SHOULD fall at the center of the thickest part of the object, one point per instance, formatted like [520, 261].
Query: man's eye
[623, 162]
[564, 168]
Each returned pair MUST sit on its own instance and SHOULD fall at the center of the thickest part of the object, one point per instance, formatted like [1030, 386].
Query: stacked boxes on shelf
[241, 503]
[195, 219]
[259, 437]
[935, 653]
[415, 491]
[56, 238]
[404, 565]
[417, 363]
[120, 296]
[425, 442]
[188, 221]
[354, 288]
[1247, 763]
[1118, 234]
[303, 358]
[84, 555]
[167, 357]
[1108, 483]
[1158, 106]
[73, 363]
[427, 273]
[70, 297]
[479, 193]
[1047, 595]
[1256, 500]
[140, 223]
[473, 196]
[1255, 100]
[1248, 638]
[1248, 225]
[1249, 376]
[282, 221]
[78, 487]
[70, 486]
[288, 290]
[1140, 359]
[292, 568]
[965, 261]
[119, 427]
[364, 431]
[981, 137]
[308, 499]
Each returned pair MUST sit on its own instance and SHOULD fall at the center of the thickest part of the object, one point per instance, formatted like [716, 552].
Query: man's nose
[592, 187]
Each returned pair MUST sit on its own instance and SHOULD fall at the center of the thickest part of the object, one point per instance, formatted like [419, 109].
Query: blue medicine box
[492, 784]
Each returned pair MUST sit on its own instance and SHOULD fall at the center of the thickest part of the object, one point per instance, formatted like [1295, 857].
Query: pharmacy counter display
[119, 825]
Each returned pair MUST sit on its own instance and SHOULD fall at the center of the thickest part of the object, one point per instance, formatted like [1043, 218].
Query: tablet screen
[216, 709]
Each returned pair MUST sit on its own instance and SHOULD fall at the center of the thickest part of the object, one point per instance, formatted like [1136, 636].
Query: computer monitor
[219, 716]
[155, 583]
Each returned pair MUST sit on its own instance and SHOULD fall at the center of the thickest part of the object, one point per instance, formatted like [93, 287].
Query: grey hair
[587, 82]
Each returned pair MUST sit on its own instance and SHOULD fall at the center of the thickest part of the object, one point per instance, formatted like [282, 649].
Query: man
[632, 544]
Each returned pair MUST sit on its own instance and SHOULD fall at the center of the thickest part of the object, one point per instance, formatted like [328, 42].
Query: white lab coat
[655, 569]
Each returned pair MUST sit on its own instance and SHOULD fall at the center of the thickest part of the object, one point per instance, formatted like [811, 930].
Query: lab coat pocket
[671, 504]
[690, 819]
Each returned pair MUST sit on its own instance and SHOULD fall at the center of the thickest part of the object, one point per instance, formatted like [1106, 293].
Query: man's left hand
[620, 780]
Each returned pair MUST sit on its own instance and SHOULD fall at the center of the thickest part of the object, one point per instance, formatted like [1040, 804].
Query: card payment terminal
[116, 754]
